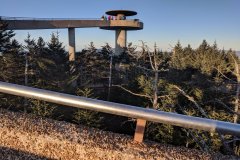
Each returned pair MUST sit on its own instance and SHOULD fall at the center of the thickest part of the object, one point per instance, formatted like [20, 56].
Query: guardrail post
[139, 131]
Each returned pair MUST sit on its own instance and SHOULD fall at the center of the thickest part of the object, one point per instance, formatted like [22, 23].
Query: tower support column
[120, 41]
[71, 43]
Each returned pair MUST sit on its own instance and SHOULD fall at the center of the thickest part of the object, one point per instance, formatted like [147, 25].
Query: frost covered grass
[25, 136]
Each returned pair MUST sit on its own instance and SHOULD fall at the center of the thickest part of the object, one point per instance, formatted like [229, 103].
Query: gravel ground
[24, 136]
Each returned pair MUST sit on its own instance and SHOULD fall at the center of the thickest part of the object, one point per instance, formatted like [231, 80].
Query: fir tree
[11, 58]
[5, 37]
[11, 64]
[56, 50]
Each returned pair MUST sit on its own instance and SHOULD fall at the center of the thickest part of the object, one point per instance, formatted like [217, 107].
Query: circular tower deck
[121, 24]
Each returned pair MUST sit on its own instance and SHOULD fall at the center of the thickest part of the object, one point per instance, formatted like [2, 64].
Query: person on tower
[102, 18]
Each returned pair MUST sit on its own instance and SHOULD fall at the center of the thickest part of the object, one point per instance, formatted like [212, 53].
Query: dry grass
[27, 137]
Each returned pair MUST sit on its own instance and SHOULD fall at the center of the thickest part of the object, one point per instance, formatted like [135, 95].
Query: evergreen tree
[86, 117]
[56, 50]
[94, 66]
[41, 46]
[40, 68]
[11, 64]
[177, 55]
[11, 59]
[5, 37]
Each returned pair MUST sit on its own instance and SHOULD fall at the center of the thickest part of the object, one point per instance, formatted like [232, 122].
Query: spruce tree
[11, 58]
[5, 37]
[94, 66]
[11, 64]
[177, 55]
[56, 50]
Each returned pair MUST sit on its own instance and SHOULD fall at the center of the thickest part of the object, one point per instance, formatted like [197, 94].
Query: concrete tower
[71, 43]
[120, 24]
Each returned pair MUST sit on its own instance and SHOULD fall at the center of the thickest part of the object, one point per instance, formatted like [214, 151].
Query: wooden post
[140, 128]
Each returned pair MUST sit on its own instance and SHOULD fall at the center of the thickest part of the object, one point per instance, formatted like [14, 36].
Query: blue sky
[165, 21]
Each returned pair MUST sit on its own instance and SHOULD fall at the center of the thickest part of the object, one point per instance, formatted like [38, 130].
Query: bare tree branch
[224, 75]
[150, 70]
[191, 99]
[236, 108]
[136, 94]
[163, 96]
[202, 144]
[151, 62]
[225, 144]
[236, 66]
[230, 141]
[223, 104]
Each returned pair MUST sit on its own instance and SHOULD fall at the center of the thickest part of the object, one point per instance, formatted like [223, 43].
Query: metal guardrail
[122, 110]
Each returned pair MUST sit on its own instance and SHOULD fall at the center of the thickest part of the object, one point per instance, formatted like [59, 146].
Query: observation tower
[121, 24]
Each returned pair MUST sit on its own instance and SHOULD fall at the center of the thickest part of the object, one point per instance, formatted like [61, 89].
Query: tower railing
[52, 19]
[122, 109]
[44, 19]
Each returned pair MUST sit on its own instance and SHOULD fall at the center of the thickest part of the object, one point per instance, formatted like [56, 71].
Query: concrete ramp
[54, 24]
[39, 23]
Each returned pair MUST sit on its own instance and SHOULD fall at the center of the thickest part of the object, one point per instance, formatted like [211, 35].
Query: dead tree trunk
[155, 63]
[236, 103]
